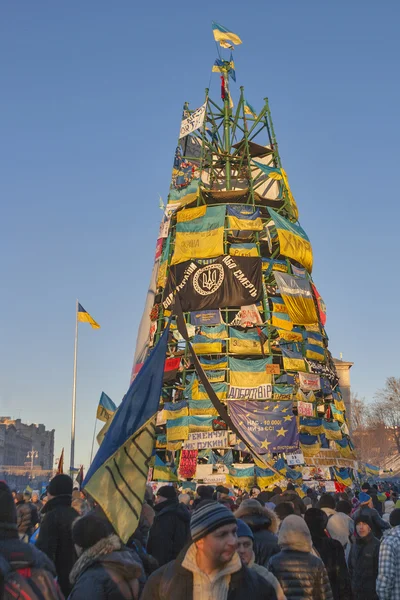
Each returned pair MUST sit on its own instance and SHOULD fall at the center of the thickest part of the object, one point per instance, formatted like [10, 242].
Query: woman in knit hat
[209, 568]
[105, 569]
[300, 573]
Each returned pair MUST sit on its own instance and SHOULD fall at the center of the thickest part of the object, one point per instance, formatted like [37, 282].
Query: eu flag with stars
[266, 426]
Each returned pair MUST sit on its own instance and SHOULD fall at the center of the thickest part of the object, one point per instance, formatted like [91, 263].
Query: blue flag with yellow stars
[266, 426]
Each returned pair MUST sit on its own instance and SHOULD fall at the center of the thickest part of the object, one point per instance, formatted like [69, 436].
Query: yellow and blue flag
[271, 172]
[106, 408]
[249, 110]
[247, 342]
[199, 233]
[118, 474]
[309, 444]
[220, 66]
[249, 373]
[241, 478]
[342, 476]
[244, 218]
[84, 317]
[175, 410]
[332, 430]
[225, 37]
[249, 249]
[267, 477]
[161, 472]
[206, 345]
[293, 240]
[212, 364]
[202, 407]
[371, 469]
[198, 423]
[177, 429]
[311, 425]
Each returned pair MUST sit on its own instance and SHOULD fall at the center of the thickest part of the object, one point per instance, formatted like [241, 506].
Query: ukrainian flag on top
[118, 474]
[199, 233]
[106, 408]
[249, 373]
[293, 240]
[84, 317]
[225, 37]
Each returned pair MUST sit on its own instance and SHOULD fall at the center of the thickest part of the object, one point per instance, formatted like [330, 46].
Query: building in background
[26, 452]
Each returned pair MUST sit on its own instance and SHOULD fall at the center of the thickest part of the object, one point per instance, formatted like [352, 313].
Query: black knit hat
[363, 519]
[90, 529]
[60, 485]
[167, 491]
[8, 512]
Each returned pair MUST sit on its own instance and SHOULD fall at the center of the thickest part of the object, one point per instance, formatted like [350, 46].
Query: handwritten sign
[273, 369]
[193, 122]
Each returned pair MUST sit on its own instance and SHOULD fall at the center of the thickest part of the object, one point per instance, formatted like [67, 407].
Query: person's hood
[329, 511]
[63, 500]
[173, 506]
[109, 552]
[257, 517]
[294, 534]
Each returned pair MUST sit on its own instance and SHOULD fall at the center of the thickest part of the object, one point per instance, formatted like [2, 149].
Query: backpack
[26, 583]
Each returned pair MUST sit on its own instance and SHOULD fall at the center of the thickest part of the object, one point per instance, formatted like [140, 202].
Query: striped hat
[208, 518]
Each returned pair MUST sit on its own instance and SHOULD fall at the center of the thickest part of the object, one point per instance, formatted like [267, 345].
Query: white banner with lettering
[193, 122]
[205, 440]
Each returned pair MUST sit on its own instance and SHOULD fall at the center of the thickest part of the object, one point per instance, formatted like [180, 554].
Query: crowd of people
[212, 544]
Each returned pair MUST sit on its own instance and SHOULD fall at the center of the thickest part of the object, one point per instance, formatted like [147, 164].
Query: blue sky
[90, 107]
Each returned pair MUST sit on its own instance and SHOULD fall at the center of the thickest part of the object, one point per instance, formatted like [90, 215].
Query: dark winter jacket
[378, 524]
[363, 567]
[331, 552]
[301, 575]
[264, 525]
[174, 582]
[294, 498]
[170, 530]
[25, 518]
[378, 505]
[106, 571]
[55, 537]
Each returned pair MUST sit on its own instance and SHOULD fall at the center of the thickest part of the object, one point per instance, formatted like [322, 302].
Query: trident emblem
[209, 279]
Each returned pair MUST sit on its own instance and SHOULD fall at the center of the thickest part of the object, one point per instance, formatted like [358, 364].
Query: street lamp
[32, 454]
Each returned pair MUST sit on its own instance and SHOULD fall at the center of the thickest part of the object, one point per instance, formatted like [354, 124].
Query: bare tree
[359, 413]
[386, 408]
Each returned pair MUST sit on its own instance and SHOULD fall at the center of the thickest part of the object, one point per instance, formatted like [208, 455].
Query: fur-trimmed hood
[108, 552]
[257, 517]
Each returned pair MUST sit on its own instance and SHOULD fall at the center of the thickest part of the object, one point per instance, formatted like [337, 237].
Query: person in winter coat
[339, 526]
[24, 518]
[209, 568]
[246, 552]
[364, 561]
[301, 574]
[331, 552]
[16, 554]
[105, 569]
[389, 507]
[366, 509]
[290, 496]
[264, 525]
[55, 534]
[388, 582]
[170, 530]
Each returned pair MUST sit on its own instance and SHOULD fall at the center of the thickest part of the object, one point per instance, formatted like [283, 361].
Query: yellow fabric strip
[203, 244]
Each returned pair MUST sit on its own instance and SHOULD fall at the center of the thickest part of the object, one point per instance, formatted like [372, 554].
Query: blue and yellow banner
[177, 429]
[297, 296]
[175, 410]
[106, 408]
[332, 430]
[274, 264]
[242, 478]
[309, 444]
[200, 423]
[184, 195]
[199, 233]
[271, 172]
[266, 426]
[218, 332]
[371, 469]
[249, 110]
[205, 345]
[267, 477]
[293, 240]
[209, 364]
[243, 250]
[281, 319]
[161, 472]
[244, 218]
[311, 425]
[117, 476]
[248, 372]
[342, 476]
[247, 342]
[202, 407]
[206, 317]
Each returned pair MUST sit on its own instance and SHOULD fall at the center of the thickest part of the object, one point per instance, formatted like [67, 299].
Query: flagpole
[94, 435]
[74, 393]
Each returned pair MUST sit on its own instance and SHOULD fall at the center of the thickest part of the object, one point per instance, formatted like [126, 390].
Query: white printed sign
[295, 459]
[205, 440]
[193, 122]
[309, 382]
[305, 409]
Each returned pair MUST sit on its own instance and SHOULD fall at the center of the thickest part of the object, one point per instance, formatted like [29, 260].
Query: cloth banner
[206, 317]
[293, 240]
[199, 233]
[241, 478]
[305, 409]
[206, 440]
[248, 316]
[244, 218]
[193, 121]
[309, 382]
[297, 296]
[321, 305]
[267, 427]
[227, 281]
[188, 463]
[267, 477]
[249, 372]
[247, 342]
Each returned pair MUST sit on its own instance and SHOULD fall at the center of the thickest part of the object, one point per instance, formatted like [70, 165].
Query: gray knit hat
[208, 518]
